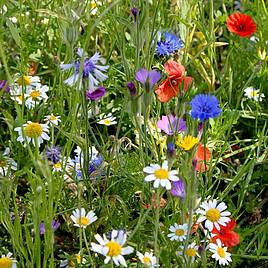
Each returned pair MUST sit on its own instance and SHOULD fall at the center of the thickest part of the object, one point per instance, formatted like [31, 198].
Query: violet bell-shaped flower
[148, 78]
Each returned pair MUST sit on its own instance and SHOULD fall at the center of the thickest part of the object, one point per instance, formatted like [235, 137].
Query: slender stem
[88, 251]
[157, 221]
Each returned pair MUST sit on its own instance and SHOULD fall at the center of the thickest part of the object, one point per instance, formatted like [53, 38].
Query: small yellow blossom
[187, 143]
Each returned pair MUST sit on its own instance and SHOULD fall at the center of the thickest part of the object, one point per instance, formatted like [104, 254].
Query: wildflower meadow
[133, 133]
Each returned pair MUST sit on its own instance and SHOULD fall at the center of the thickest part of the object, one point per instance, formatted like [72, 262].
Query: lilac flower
[4, 85]
[54, 225]
[178, 189]
[91, 71]
[205, 106]
[171, 124]
[148, 78]
[96, 94]
[53, 154]
[132, 88]
[167, 44]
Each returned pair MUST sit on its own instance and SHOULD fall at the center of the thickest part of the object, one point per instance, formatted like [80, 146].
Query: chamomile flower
[35, 95]
[178, 232]
[213, 214]
[220, 253]
[81, 219]
[148, 259]
[71, 262]
[52, 119]
[191, 251]
[160, 175]
[113, 248]
[17, 95]
[28, 81]
[57, 167]
[187, 143]
[6, 261]
[33, 131]
[254, 94]
[107, 120]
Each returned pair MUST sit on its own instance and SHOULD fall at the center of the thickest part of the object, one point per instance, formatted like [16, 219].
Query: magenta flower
[96, 94]
[148, 78]
[171, 124]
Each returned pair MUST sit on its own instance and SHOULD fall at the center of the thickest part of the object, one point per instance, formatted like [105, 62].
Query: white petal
[150, 177]
[156, 183]
[149, 169]
[127, 250]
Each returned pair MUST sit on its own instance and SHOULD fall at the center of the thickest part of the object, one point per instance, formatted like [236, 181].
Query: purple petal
[154, 77]
[142, 76]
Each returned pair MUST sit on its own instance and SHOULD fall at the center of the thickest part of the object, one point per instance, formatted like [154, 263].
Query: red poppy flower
[226, 234]
[200, 158]
[241, 24]
[169, 88]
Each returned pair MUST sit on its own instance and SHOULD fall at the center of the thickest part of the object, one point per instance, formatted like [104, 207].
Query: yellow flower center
[24, 79]
[107, 121]
[33, 130]
[146, 260]
[179, 232]
[20, 97]
[3, 163]
[5, 262]
[161, 174]
[83, 221]
[114, 249]
[191, 252]
[221, 252]
[187, 143]
[213, 214]
[52, 117]
[93, 5]
[57, 165]
[35, 94]
[253, 93]
[78, 258]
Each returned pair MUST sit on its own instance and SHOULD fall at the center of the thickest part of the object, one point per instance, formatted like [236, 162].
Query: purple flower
[148, 78]
[171, 124]
[4, 85]
[53, 154]
[178, 189]
[91, 71]
[135, 13]
[132, 88]
[205, 106]
[96, 94]
[55, 225]
[170, 149]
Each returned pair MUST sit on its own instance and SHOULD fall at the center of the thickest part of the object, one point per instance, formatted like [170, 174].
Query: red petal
[174, 69]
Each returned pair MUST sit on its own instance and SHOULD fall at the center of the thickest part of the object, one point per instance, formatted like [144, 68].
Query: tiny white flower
[191, 251]
[33, 131]
[14, 19]
[107, 120]
[113, 248]
[6, 261]
[52, 119]
[178, 232]
[148, 259]
[81, 219]
[57, 167]
[254, 94]
[213, 214]
[160, 175]
[220, 253]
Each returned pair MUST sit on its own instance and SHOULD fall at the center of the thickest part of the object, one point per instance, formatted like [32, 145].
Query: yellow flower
[187, 143]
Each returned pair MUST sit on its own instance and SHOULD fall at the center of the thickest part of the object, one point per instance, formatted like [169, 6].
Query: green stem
[157, 221]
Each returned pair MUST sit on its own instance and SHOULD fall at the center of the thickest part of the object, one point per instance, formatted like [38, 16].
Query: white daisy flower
[81, 219]
[17, 95]
[254, 94]
[191, 251]
[52, 119]
[57, 167]
[71, 263]
[7, 262]
[220, 253]
[160, 175]
[36, 94]
[33, 131]
[148, 259]
[28, 81]
[113, 248]
[178, 232]
[69, 168]
[93, 5]
[107, 120]
[213, 214]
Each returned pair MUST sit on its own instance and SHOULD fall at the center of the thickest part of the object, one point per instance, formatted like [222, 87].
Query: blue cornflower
[205, 106]
[91, 71]
[167, 44]
[178, 189]
[53, 154]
